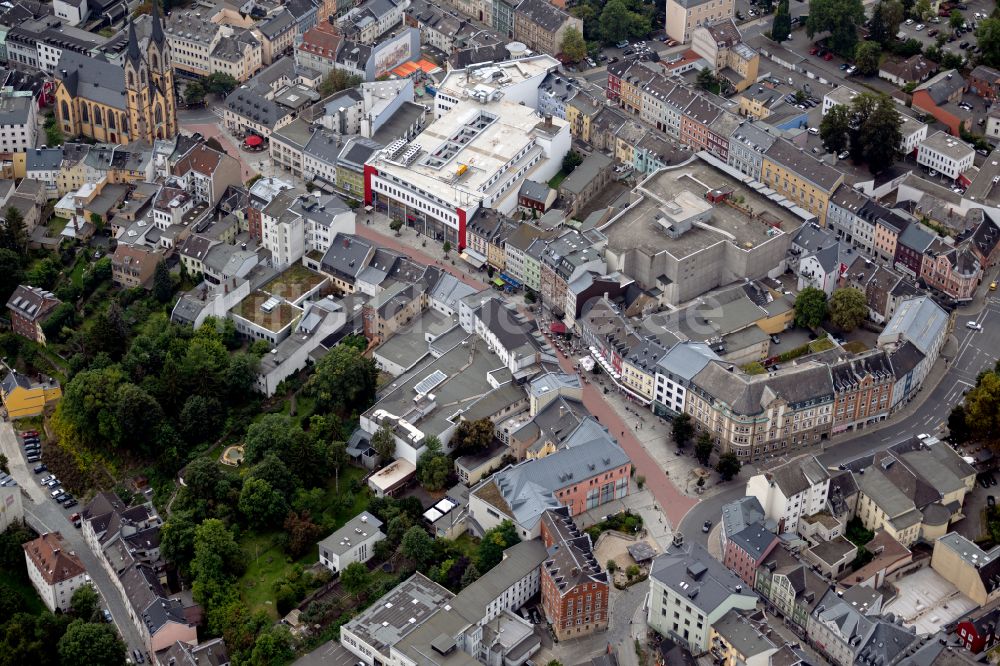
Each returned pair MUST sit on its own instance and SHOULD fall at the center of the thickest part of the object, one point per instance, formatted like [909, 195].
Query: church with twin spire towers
[119, 104]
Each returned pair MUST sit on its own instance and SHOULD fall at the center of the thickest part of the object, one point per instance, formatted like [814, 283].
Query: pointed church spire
[132, 54]
[157, 37]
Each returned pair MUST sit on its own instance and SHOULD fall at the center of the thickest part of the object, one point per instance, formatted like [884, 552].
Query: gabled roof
[691, 573]
[48, 553]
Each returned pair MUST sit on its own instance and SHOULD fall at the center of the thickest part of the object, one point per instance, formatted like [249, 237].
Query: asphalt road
[978, 350]
[43, 514]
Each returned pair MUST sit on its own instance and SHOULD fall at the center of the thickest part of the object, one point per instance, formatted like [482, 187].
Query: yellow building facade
[23, 397]
[99, 100]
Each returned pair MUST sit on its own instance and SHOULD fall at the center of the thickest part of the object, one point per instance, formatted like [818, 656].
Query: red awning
[557, 327]
[253, 141]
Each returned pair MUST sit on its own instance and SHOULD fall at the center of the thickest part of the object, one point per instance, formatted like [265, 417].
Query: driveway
[45, 515]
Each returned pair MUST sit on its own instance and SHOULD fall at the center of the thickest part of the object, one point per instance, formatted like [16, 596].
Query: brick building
[747, 549]
[29, 308]
[574, 587]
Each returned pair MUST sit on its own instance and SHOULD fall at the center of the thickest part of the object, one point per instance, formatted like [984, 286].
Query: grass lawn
[468, 544]
[557, 179]
[267, 562]
[30, 602]
[55, 225]
[855, 346]
[76, 275]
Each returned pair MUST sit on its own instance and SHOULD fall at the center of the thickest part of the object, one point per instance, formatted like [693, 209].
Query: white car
[920, 26]
[851, 69]
[814, 131]
[909, 21]
[932, 173]
[974, 326]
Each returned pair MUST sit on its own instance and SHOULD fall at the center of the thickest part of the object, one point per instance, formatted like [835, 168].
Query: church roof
[92, 78]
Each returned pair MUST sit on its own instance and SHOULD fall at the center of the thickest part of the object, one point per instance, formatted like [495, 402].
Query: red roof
[253, 140]
[557, 327]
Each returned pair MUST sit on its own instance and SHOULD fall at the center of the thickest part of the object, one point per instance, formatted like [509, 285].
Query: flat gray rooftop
[638, 228]
[465, 368]
[398, 613]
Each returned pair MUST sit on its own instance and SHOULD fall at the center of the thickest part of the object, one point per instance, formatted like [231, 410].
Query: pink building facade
[586, 494]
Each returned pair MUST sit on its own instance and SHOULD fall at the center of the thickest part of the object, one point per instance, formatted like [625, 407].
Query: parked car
[909, 21]
[40, 468]
[920, 26]
[68, 497]
[814, 131]
[828, 57]
[46, 479]
[932, 173]
[57, 492]
[932, 32]
[75, 519]
[963, 45]
[814, 50]
[107, 616]
[844, 155]
[991, 501]
[706, 526]
[622, 44]
[775, 339]
[52, 483]
[851, 69]
[33, 459]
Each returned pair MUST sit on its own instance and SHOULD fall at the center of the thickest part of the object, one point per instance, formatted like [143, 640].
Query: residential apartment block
[55, 572]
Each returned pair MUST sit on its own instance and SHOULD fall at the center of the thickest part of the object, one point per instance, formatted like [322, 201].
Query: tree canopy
[848, 308]
[867, 55]
[840, 18]
[343, 381]
[810, 307]
[92, 644]
[573, 46]
[472, 436]
[781, 25]
[988, 40]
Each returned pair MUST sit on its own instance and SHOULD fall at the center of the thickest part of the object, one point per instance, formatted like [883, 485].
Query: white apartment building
[788, 492]
[841, 95]
[673, 375]
[295, 224]
[516, 80]
[945, 154]
[913, 132]
[689, 591]
[354, 542]
[18, 124]
[479, 154]
[54, 571]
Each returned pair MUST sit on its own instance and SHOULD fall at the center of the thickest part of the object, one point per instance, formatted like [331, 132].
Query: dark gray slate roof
[92, 78]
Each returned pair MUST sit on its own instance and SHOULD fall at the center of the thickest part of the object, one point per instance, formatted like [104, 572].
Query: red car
[813, 50]
[828, 56]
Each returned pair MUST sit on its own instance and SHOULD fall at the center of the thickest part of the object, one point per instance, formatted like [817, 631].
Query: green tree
[470, 575]
[163, 286]
[886, 17]
[956, 20]
[43, 274]
[879, 132]
[611, 566]
[88, 405]
[573, 47]
[728, 466]
[632, 571]
[396, 225]
[781, 25]
[922, 10]
[196, 421]
[15, 234]
[848, 308]
[447, 248]
[92, 644]
[11, 273]
[384, 443]
[494, 542]
[355, 578]
[217, 561]
[85, 602]
[810, 307]
[988, 40]
[982, 407]
[840, 18]
[177, 539]
[618, 22]
[433, 467]
[703, 448]
[273, 646]
[571, 161]
[343, 381]
[338, 80]
[682, 430]
[957, 428]
[138, 416]
[194, 93]
[835, 129]
[706, 80]
[867, 55]
[261, 505]
[472, 436]
[418, 546]
[220, 83]
[302, 533]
